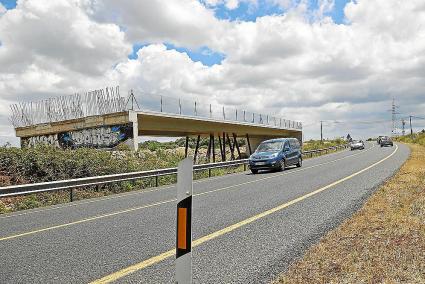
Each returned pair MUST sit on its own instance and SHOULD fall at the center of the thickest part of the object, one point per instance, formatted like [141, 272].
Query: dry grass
[382, 243]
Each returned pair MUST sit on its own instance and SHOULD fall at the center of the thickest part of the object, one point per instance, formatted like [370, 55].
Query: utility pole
[393, 118]
[411, 129]
[321, 131]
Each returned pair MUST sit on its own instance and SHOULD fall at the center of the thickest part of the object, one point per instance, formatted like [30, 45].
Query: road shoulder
[384, 242]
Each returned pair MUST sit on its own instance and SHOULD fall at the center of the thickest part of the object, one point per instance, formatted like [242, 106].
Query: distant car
[357, 144]
[276, 154]
[379, 139]
[386, 141]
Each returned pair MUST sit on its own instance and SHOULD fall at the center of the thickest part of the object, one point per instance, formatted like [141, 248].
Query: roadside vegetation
[317, 144]
[384, 242]
[44, 163]
[417, 138]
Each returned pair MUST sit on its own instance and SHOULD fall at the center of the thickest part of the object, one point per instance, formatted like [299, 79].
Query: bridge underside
[100, 129]
[151, 124]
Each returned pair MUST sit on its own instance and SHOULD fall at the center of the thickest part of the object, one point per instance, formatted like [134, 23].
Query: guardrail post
[209, 172]
[244, 167]
[71, 194]
[184, 222]
[156, 181]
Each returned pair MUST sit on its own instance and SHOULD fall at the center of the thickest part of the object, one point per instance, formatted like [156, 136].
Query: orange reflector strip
[181, 228]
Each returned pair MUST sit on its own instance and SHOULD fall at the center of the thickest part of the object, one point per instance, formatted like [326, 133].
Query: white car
[357, 145]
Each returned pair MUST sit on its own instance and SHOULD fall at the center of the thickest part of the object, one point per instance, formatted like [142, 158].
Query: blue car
[276, 154]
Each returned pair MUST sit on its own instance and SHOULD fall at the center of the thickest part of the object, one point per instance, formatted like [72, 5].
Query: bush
[44, 163]
[317, 144]
[417, 138]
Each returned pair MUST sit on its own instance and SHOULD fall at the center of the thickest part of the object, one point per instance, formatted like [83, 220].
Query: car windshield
[270, 146]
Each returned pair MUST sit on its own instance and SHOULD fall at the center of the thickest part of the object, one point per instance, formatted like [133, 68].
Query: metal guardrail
[70, 184]
[312, 152]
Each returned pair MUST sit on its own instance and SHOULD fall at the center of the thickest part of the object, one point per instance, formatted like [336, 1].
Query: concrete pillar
[299, 136]
[133, 143]
[255, 141]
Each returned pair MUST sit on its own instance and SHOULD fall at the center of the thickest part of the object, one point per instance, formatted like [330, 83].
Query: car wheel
[382, 146]
[300, 162]
[254, 171]
[282, 165]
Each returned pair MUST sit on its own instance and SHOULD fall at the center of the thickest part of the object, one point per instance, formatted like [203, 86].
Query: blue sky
[203, 54]
[8, 4]
[247, 12]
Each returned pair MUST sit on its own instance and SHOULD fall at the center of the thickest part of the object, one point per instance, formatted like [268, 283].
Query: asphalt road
[246, 228]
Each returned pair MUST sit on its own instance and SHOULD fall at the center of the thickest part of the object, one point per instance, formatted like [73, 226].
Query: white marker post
[184, 222]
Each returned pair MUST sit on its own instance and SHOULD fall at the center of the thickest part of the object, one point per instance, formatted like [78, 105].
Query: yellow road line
[61, 206]
[165, 202]
[141, 265]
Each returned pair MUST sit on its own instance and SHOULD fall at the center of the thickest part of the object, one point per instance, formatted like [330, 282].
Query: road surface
[246, 228]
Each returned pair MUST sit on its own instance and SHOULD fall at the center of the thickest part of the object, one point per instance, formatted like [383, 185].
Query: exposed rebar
[96, 102]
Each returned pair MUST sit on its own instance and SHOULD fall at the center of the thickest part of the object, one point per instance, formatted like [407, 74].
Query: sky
[337, 61]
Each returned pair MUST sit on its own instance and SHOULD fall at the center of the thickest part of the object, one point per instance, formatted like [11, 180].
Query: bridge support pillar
[133, 143]
[255, 141]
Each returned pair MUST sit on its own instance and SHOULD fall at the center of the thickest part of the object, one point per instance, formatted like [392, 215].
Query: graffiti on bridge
[99, 137]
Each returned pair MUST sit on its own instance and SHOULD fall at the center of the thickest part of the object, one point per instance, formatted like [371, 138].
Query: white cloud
[53, 47]
[184, 22]
[289, 64]
[230, 4]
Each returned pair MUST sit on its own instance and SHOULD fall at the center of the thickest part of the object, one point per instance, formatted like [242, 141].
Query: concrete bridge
[157, 116]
